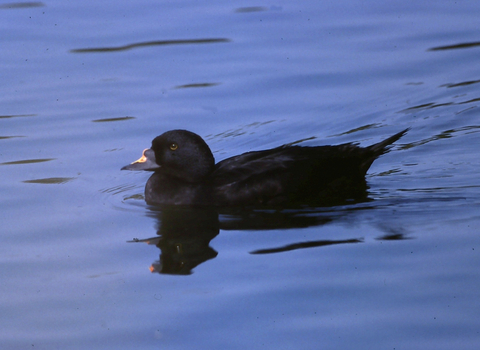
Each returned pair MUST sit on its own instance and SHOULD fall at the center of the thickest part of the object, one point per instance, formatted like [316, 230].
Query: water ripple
[443, 135]
[28, 161]
[22, 5]
[50, 180]
[119, 189]
[17, 116]
[455, 46]
[151, 43]
[106, 120]
[9, 137]
[196, 85]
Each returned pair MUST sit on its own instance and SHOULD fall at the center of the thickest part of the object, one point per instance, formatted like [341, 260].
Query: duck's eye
[173, 146]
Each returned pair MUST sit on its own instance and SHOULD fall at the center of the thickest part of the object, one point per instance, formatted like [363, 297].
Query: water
[398, 272]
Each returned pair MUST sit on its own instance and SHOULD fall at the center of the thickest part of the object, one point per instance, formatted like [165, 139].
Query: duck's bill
[146, 162]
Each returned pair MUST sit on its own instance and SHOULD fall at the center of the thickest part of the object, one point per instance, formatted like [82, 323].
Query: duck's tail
[380, 148]
[384, 146]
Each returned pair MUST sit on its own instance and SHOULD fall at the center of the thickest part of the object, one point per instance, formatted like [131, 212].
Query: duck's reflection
[184, 234]
[183, 237]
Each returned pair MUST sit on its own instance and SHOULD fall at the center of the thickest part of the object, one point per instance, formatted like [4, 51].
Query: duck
[185, 173]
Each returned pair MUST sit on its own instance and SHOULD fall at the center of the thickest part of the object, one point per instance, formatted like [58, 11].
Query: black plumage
[185, 173]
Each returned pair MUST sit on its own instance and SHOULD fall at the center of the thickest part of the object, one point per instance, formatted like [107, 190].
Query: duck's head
[178, 153]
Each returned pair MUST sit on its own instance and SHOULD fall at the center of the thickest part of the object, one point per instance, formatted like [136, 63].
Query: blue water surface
[87, 85]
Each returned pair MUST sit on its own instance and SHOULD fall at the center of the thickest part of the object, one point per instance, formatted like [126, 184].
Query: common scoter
[185, 173]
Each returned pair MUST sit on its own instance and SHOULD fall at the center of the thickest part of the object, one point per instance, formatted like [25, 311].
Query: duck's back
[292, 174]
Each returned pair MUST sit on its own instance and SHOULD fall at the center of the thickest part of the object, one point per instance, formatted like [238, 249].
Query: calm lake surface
[86, 86]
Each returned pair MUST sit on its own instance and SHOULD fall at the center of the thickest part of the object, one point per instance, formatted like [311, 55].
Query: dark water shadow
[463, 83]
[17, 116]
[196, 85]
[455, 46]
[151, 43]
[10, 137]
[251, 9]
[107, 120]
[183, 234]
[21, 5]
[28, 161]
[50, 180]
[303, 245]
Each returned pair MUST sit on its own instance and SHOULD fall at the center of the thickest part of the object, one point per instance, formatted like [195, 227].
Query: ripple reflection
[455, 46]
[151, 43]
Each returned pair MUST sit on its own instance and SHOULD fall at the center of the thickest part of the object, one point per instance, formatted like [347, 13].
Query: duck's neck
[197, 170]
